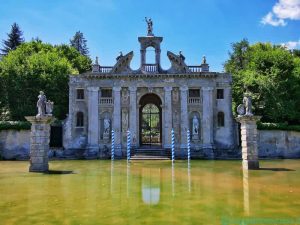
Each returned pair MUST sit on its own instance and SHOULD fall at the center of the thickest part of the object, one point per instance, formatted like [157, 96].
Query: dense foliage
[14, 125]
[272, 74]
[36, 66]
[277, 126]
[14, 39]
[79, 43]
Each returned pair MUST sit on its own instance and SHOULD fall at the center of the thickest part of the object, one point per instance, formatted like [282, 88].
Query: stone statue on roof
[150, 26]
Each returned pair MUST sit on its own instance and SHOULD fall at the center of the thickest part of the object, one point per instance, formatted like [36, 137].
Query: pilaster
[133, 115]
[117, 119]
[184, 116]
[93, 122]
[207, 121]
[168, 117]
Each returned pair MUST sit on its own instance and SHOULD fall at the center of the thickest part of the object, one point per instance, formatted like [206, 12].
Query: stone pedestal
[39, 143]
[249, 141]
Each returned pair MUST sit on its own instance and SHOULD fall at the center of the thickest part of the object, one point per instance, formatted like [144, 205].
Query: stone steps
[151, 154]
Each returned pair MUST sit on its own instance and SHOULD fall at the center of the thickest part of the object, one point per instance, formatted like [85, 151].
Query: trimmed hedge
[277, 126]
[14, 125]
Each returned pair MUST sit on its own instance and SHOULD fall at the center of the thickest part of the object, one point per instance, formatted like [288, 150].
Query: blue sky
[197, 28]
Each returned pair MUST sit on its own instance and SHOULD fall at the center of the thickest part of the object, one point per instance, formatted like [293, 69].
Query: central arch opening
[150, 121]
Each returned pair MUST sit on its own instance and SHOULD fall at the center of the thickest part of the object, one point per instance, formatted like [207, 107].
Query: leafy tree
[36, 66]
[14, 39]
[79, 43]
[271, 74]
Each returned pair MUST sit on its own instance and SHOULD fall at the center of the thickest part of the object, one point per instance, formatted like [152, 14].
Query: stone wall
[271, 144]
[278, 144]
[14, 145]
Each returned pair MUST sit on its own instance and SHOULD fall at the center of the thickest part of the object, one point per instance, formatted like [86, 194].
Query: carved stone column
[168, 117]
[117, 119]
[249, 141]
[133, 116]
[207, 121]
[93, 122]
[39, 143]
[184, 116]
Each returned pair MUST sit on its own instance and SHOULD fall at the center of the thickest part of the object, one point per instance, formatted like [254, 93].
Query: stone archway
[150, 128]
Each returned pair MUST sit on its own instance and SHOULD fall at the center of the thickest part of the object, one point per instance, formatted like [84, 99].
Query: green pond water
[149, 192]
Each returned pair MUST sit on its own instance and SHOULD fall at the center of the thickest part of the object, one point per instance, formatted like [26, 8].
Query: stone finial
[181, 56]
[96, 66]
[204, 60]
[119, 56]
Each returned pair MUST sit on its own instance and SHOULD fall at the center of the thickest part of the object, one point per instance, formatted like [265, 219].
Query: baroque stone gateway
[149, 102]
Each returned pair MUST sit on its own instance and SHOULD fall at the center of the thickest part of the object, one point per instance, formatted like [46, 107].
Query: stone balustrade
[106, 101]
[151, 68]
[105, 69]
[195, 69]
[194, 101]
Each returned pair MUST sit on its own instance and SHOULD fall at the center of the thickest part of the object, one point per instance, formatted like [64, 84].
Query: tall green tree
[79, 43]
[36, 66]
[14, 39]
[271, 74]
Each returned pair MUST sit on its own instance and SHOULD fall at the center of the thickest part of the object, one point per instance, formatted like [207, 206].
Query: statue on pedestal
[41, 104]
[246, 107]
[45, 107]
[106, 125]
[195, 130]
[106, 129]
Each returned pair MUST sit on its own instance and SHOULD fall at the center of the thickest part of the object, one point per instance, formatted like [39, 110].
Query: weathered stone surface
[249, 141]
[39, 143]
[14, 144]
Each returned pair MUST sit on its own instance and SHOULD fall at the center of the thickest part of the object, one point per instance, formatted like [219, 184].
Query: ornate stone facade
[150, 102]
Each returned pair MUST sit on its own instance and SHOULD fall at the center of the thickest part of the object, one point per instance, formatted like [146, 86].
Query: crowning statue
[45, 107]
[41, 104]
[246, 107]
[150, 26]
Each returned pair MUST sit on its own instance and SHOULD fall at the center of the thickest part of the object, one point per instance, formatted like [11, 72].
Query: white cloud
[291, 44]
[281, 11]
[269, 19]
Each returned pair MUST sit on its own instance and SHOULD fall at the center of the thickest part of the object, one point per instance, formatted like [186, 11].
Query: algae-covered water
[150, 192]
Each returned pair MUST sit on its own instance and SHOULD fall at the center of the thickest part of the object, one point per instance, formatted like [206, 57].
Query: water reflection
[189, 176]
[173, 179]
[151, 185]
[111, 176]
[246, 192]
[128, 178]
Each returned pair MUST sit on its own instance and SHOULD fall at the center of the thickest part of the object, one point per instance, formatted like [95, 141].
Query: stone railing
[106, 101]
[194, 101]
[195, 69]
[151, 68]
